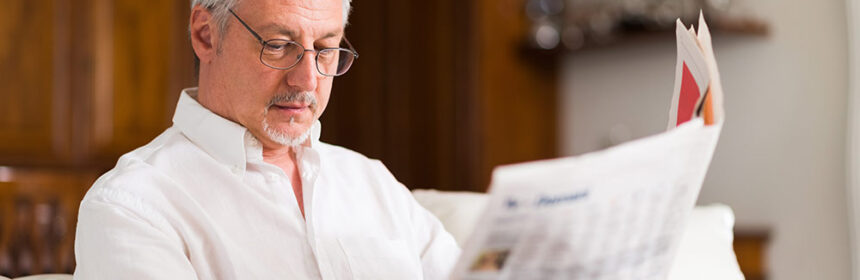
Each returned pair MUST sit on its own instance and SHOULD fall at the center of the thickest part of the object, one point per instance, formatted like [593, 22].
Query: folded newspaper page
[613, 214]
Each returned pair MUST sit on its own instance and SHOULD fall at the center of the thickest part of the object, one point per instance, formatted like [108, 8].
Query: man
[240, 187]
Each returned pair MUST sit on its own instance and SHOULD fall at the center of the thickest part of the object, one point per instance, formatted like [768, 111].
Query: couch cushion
[458, 211]
[706, 247]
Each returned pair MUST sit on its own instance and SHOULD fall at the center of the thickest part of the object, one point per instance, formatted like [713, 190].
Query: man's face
[277, 106]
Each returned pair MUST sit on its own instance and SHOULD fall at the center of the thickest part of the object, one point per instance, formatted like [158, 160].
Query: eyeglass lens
[284, 54]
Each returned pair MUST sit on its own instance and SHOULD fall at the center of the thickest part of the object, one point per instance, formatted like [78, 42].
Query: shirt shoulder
[141, 179]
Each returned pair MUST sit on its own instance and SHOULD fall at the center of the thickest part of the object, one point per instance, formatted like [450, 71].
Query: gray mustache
[304, 97]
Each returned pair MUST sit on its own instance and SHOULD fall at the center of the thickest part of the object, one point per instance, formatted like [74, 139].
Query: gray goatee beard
[281, 137]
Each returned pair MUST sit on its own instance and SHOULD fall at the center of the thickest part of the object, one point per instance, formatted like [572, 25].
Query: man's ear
[203, 34]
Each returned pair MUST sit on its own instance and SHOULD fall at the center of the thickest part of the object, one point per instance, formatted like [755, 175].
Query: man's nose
[304, 75]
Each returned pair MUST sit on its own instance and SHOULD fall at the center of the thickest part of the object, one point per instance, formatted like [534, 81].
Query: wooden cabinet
[81, 83]
[750, 247]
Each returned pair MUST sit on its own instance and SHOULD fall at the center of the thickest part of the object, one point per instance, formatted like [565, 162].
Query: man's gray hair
[221, 10]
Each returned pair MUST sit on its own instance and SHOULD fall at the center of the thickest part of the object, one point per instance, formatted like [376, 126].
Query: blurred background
[445, 90]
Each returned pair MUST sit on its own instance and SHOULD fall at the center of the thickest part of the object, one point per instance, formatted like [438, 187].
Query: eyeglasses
[285, 54]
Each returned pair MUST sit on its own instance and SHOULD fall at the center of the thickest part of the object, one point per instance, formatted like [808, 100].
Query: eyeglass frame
[264, 43]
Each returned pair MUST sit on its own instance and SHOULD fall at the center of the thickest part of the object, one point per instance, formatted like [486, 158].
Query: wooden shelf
[630, 32]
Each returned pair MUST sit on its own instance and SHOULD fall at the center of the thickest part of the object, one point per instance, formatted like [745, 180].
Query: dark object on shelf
[573, 25]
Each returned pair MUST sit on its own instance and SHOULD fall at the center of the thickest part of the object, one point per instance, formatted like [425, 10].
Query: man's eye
[326, 54]
[276, 47]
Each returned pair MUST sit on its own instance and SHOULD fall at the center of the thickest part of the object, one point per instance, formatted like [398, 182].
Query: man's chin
[287, 134]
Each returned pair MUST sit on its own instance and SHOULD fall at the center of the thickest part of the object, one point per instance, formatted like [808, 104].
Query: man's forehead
[310, 5]
[293, 18]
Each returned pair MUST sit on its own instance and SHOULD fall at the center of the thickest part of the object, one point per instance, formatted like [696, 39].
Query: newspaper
[612, 214]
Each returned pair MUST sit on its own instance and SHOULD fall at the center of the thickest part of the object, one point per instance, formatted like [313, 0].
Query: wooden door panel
[516, 97]
[403, 100]
[34, 117]
[442, 93]
[143, 62]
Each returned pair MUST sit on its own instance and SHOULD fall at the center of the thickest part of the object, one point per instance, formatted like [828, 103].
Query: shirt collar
[228, 142]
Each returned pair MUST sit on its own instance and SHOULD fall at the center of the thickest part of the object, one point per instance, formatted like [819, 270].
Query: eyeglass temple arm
[248, 27]
[348, 44]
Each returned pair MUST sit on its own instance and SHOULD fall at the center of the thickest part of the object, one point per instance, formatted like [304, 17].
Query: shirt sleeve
[113, 242]
[438, 249]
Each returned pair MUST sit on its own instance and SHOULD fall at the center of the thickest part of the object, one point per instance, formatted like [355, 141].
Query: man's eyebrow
[331, 34]
[280, 29]
[277, 28]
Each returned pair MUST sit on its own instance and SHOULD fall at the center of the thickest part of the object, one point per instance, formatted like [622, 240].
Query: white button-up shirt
[199, 202]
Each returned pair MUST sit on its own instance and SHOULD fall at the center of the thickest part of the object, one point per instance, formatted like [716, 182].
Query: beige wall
[781, 159]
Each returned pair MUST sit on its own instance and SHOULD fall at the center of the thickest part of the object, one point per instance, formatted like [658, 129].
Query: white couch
[705, 252]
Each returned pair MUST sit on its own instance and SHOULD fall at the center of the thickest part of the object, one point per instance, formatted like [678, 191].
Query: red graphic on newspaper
[689, 96]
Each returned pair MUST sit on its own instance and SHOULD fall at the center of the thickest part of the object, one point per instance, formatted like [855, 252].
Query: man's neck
[280, 155]
[285, 158]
